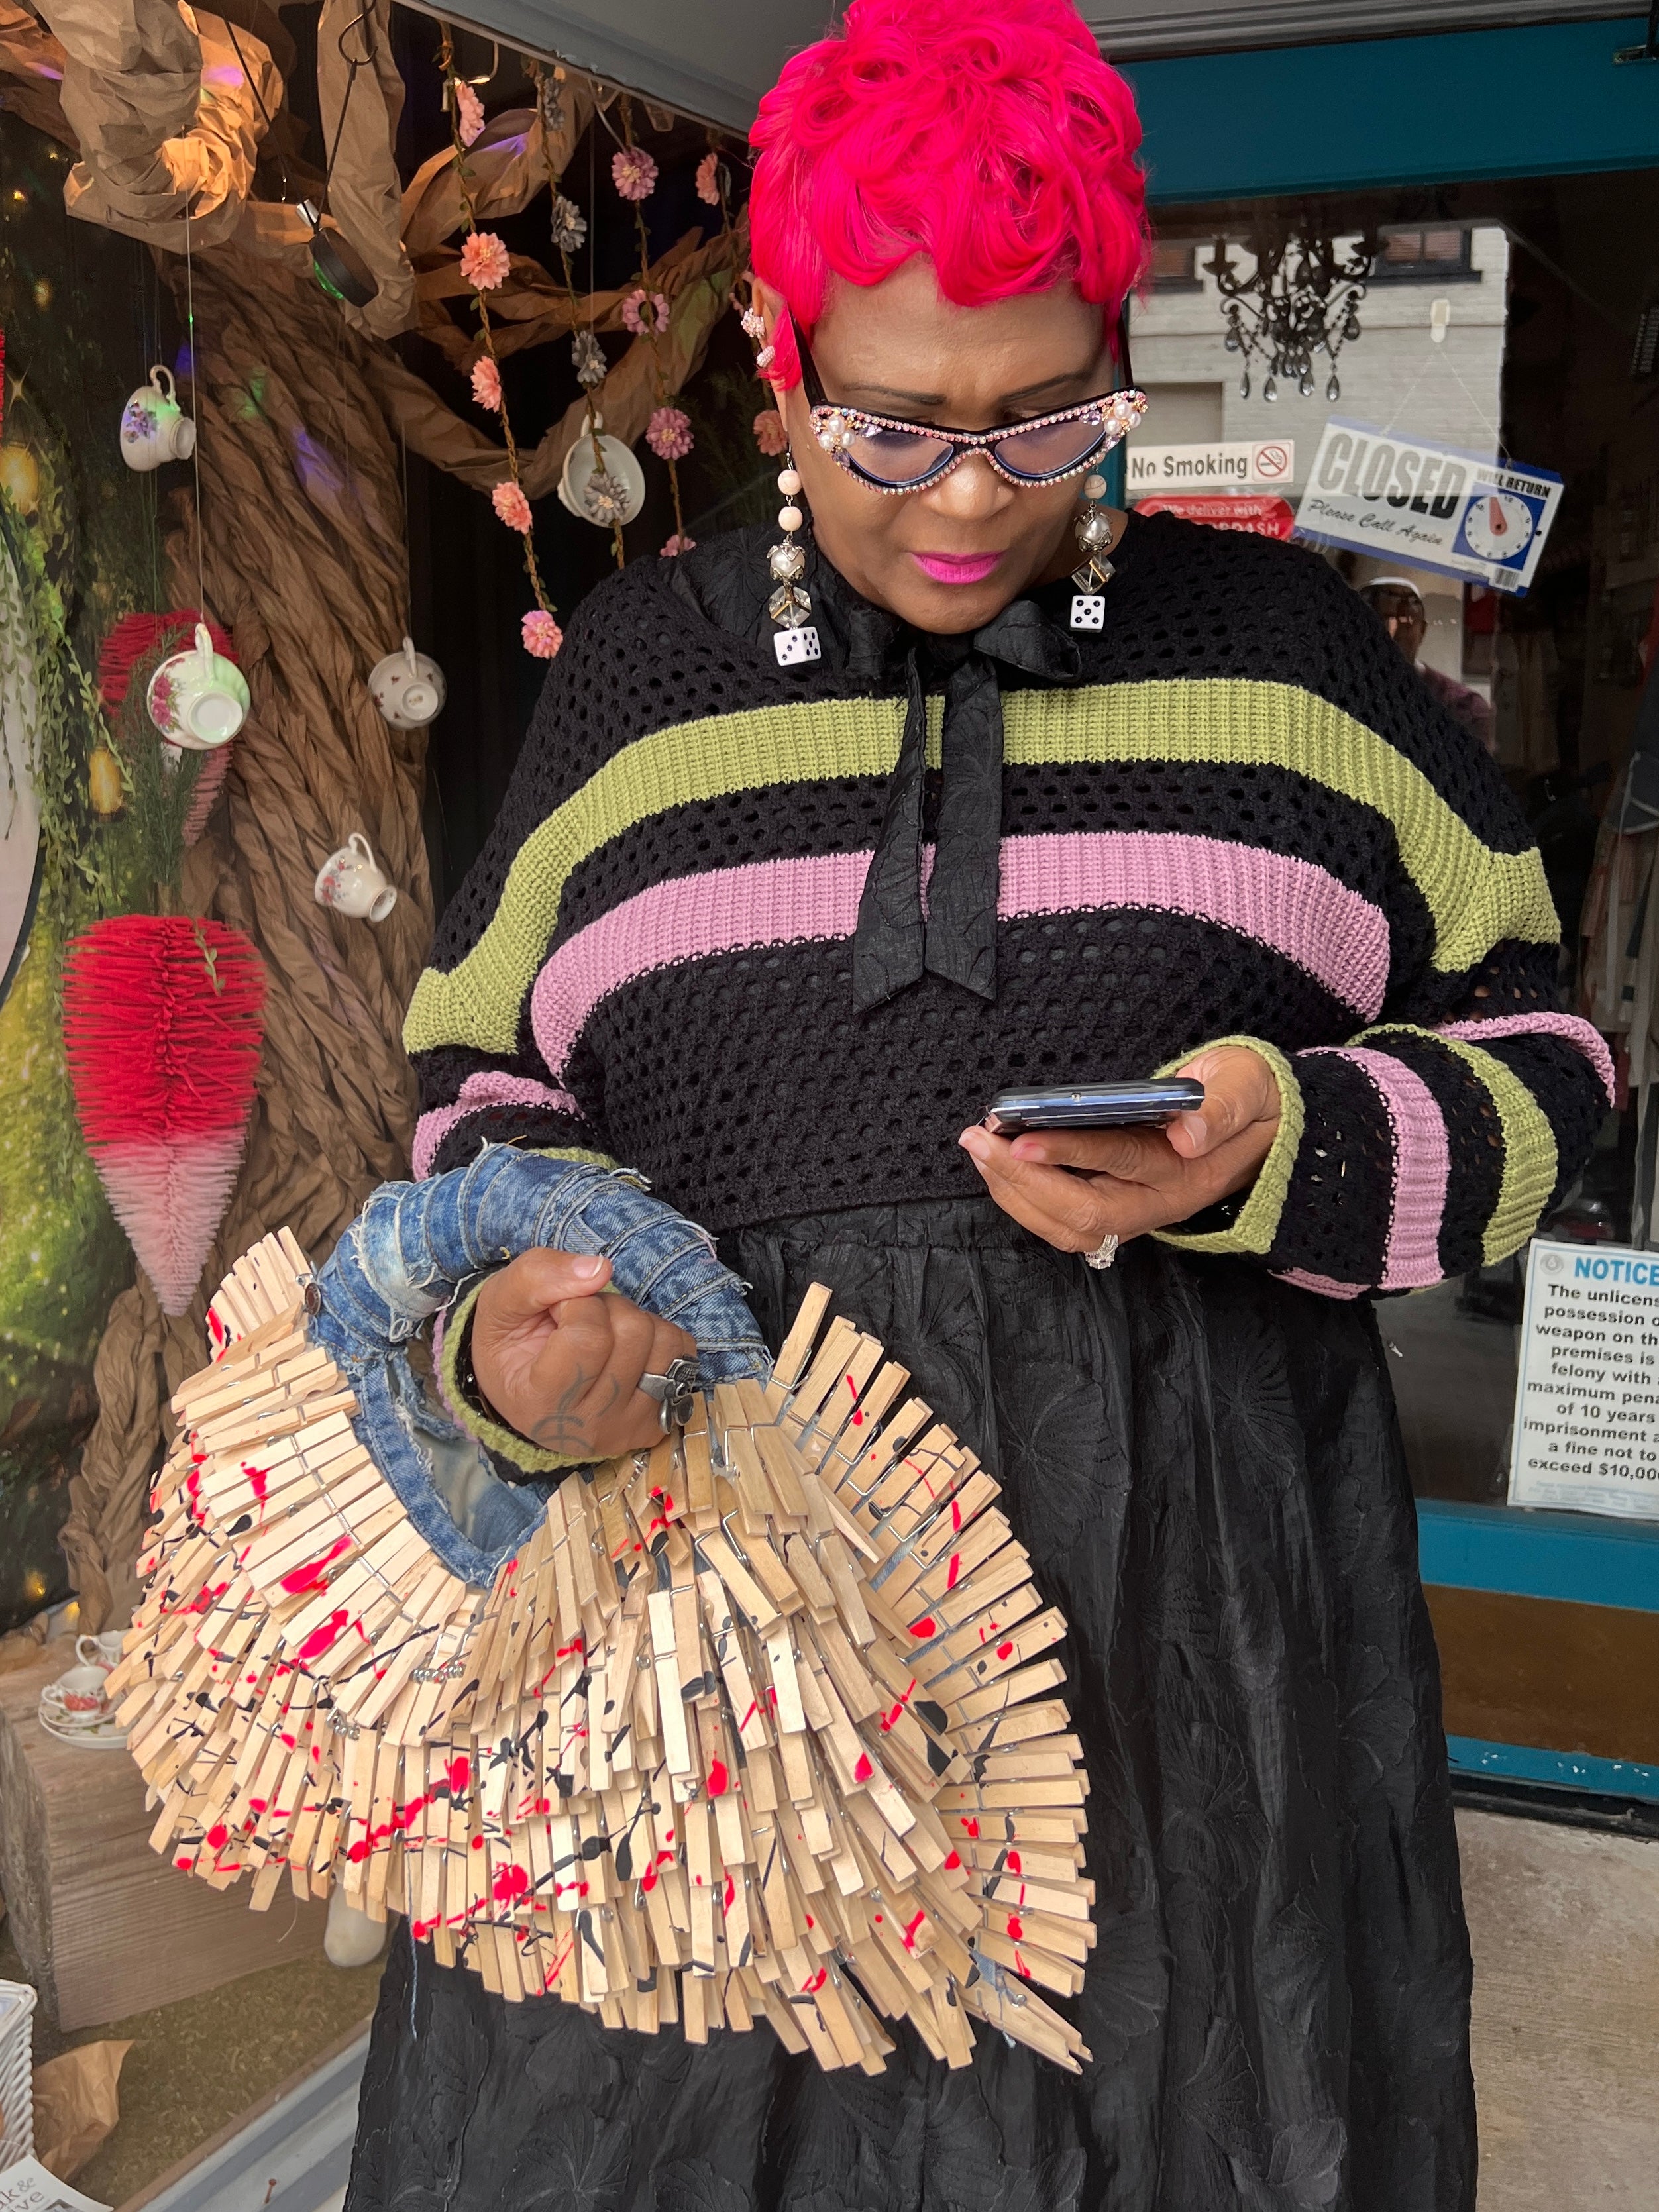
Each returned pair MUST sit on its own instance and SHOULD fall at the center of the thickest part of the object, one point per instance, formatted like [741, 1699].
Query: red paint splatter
[1005, 1648]
[719, 1778]
[971, 1828]
[511, 1884]
[649, 1880]
[956, 1569]
[218, 1836]
[910, 1932]
[952, 1861]
[730, 1892]
[863, 1770]
[815, 1981]
[183, 1865]
[313, 1574]
[320, 1638]
[459, 1773]
[1016, 1865]
[477, 1842]
[1016, 1926]
[924, 1626]
[955, 1516]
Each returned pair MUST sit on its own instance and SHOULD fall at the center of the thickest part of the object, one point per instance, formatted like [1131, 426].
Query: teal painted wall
[1532, 102]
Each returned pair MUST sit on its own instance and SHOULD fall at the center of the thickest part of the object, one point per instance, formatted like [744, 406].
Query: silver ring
[675, 1392]
[1104, 1254]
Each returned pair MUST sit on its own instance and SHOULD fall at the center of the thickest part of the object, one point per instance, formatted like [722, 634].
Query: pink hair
[988, 135]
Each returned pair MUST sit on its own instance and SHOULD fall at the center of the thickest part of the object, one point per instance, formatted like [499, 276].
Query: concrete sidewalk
[1564, 1925]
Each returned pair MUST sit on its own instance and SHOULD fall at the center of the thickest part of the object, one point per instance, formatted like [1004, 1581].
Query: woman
[746, 927]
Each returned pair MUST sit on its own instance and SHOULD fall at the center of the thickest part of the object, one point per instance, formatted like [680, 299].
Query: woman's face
[951, 556]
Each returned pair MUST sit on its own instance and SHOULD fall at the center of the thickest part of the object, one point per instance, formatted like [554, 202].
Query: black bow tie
[957, 939]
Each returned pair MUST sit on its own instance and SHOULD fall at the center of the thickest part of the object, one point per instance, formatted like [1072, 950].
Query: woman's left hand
[1076, 1188]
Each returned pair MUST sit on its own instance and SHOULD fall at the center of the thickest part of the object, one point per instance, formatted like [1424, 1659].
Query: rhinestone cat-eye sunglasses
[889, 454]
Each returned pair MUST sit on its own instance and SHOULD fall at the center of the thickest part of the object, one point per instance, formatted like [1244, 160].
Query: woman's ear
[769, 300]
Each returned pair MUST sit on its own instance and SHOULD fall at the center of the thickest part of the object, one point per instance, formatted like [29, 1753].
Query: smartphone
[1094, 1105]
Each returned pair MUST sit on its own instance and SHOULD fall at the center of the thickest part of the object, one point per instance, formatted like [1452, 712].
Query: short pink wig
[988, 135]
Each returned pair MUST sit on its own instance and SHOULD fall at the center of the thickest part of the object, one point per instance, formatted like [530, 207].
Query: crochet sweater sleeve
[1434, 1140]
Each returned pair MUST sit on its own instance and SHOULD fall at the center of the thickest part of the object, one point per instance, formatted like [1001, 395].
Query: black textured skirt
[1205, 1466]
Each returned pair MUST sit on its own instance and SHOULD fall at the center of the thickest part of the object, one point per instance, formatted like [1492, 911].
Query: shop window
[1175, 269]
[1440, 253]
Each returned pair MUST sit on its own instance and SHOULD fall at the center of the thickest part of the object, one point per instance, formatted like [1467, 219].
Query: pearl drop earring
[795, 641]
[1093, 531]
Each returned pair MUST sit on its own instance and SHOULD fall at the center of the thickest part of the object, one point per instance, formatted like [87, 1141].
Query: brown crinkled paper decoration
[760, 1724]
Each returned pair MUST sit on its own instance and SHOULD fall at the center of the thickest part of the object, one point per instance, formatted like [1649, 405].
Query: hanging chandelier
[1301, 299]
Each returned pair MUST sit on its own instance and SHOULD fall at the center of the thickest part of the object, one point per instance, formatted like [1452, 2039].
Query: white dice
[793, 646]
[1089, 610]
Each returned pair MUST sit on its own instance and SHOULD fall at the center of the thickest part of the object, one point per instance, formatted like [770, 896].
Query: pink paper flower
[679, 542]
[484, 261]
[769, 434]
[643, 311]
[541, 635]
[487, 384]
[513, 509]
[634, 172]
[469, 113]
[709, 189]
[668, 434]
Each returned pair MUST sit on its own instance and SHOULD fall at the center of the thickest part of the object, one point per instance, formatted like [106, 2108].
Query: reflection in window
[1419, 255]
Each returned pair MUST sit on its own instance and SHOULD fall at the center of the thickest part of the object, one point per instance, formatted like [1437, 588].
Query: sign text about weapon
[1587, 1399]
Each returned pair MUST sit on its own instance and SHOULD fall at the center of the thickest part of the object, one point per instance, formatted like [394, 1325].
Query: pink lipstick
[957, 567]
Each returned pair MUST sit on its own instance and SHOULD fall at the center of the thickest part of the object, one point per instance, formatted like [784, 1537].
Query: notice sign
[1212, 468]
[1587, 1397]
[1429, 506]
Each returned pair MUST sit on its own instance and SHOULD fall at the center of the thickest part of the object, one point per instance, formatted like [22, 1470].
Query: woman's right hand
[561, 1365]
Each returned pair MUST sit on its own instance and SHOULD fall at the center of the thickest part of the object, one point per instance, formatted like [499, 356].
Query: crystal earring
[1094, 537]
[795, 641]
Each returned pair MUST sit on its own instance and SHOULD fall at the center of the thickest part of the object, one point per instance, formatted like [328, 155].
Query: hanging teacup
[603, 487]
[197, 698]
[408, 688]
[153, 426]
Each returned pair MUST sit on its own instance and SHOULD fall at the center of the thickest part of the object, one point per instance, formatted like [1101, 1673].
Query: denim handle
[412, 1247]
[415, 1244]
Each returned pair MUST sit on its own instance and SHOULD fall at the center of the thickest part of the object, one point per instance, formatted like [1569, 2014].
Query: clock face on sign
[1498, 526]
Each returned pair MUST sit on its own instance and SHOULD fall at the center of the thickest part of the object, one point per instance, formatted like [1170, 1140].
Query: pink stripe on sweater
[1298, 909]
[1326, 1286]
[1571, 1028]
[1422, 1168]
[490, 1086]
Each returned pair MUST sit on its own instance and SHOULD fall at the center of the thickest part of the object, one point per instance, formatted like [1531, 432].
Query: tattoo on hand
[563, 1429]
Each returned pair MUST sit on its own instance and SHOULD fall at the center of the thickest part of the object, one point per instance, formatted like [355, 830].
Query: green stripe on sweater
[1476, 896]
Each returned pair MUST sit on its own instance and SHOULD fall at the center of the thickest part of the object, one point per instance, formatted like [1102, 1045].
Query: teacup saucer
[98, 1735]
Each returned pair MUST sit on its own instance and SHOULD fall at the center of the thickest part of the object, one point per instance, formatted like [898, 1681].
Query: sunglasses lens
[896, 456]
[1051, 448]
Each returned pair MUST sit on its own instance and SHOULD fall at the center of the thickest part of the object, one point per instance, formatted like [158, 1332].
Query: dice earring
[795, 641]
[1093, 529]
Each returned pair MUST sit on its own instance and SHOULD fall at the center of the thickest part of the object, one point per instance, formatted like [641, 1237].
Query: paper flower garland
[485, 261]
[633, 173]
[486, 264]
[668, 434]
[469, 114]
[644, 313]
